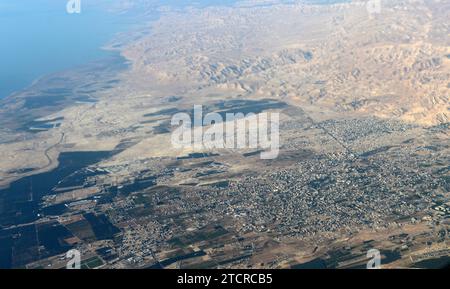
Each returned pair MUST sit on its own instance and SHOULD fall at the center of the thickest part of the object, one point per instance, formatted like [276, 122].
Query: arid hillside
[391, 62]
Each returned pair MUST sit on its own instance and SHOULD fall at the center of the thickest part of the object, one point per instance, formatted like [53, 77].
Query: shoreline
[59, 47]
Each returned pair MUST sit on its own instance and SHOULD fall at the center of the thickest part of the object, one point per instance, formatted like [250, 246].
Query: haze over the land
[363, 95]
[334, 60]
[392, 63]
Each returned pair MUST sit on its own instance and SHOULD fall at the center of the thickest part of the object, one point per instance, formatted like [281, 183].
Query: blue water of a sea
[39, 37]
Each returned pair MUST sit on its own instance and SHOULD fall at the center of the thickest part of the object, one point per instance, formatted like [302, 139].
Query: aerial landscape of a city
[252, 134]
